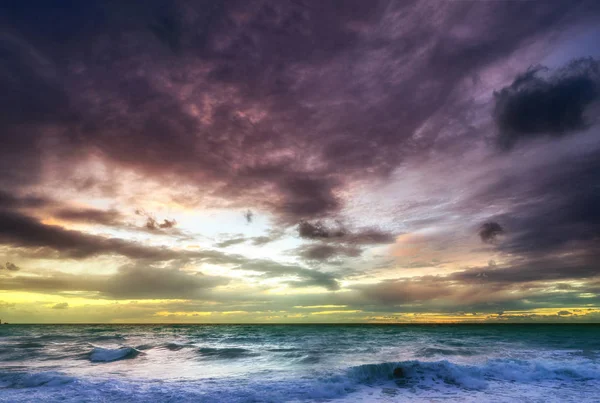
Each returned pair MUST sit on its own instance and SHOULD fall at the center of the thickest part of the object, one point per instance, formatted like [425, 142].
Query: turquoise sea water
[277, 363]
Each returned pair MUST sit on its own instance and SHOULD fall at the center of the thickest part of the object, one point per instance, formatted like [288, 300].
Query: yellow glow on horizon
[334, 312]
[34, 307]
[319, 306]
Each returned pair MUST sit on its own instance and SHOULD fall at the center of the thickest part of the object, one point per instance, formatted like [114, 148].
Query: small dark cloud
[564, 313]
[152, 224]
[61, 305]
[318, 230]
[167, 224]
[539, 103]
[489, 231]
[12, 267]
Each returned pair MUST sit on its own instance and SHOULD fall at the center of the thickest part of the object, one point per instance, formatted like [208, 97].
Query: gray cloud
[553, 206]
[363, 236]
[230, 242]
[534, 105]
[306, 277]
[90, 215]
[318, 230]
[326, 252]
[12, 201]
[130, 282]
[22, 231]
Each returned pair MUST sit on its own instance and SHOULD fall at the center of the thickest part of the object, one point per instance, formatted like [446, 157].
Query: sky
[299, 161]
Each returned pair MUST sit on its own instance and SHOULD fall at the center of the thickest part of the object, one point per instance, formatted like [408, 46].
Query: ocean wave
[427, 374]
[173, 346]
[26, 380]
[99, 354]
[416, 381]
[225, 353]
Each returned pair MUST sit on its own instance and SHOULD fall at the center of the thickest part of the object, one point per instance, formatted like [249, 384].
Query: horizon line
[299, 323]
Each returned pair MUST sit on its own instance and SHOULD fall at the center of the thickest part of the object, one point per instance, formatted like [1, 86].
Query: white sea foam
[420, 380]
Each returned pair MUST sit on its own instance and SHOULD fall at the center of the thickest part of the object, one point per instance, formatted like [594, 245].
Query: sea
[300, 363]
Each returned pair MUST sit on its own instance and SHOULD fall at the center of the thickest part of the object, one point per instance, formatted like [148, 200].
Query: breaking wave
[471, 376]
[99, 354]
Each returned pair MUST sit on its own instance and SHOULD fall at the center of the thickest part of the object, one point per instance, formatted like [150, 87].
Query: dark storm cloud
[534, 105]
[11, 201]
[20, 230]
[216, 91]
[489, 231]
